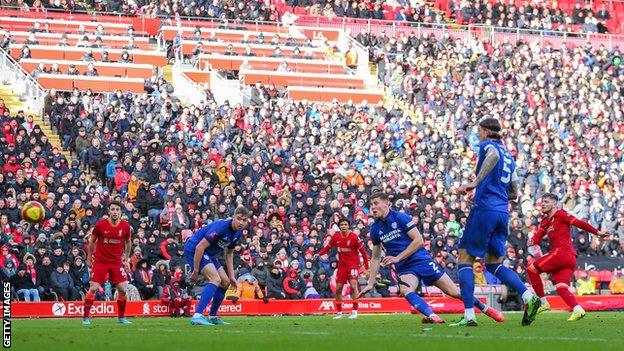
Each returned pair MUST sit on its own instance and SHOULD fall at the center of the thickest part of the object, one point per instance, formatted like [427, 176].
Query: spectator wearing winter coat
[24, 286]
[161, 277]
[321, 284]
[80, 274]
[143, 281]
[63, 284]
[275, 288]
[293, 285]
[261, 273]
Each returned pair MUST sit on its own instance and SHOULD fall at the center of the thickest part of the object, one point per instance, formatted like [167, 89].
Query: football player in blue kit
[487, 227]
[404, 248]
[201, 251]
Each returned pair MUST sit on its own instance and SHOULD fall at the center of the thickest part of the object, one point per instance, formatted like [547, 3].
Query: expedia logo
[58, 309]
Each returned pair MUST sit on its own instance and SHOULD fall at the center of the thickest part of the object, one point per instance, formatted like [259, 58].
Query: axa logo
[59, 309]
[326, 306]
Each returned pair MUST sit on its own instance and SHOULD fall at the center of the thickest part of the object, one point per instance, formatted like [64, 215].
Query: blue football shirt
[219, 234]
[492, 193]
[391, 232]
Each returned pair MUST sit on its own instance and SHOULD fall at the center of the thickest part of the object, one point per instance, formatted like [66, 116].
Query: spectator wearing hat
[63, 284]
[275, 287]
[24, 286]
[161, 277]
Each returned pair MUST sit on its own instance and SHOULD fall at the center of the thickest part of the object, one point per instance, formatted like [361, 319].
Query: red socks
[567, 296]
[536, 281]
[121, 306]
[87, 305]
[355, 305]
[339, 306]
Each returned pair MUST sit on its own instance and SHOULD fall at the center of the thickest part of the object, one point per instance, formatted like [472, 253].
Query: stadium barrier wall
[153, 308]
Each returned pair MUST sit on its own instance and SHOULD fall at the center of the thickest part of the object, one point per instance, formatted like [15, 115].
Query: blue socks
[478, 304]
[206, 296]
[216, 301]
[507, 276]
[418, 303]
[466, 285]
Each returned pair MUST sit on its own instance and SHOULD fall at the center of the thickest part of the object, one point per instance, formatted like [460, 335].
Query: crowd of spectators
[249, 10]
[537, 16]
[301, 166]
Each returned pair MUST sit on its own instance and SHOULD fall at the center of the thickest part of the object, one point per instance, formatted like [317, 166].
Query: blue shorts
[426, 270]
[206, 259]
[485, 232]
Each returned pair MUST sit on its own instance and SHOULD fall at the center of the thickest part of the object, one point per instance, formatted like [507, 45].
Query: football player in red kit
[108, 254]
[560, 261]
[348, 245]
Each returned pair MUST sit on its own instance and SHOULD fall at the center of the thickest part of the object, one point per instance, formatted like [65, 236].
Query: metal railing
[22, 83]
[394, 29]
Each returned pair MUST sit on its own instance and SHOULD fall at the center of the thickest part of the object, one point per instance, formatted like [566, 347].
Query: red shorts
[101, 271]
[560, 264]
[343, 275]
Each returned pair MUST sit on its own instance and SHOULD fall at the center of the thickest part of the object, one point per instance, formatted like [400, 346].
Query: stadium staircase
[15, 104]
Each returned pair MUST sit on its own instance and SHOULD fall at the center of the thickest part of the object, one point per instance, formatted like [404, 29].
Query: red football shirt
[557, 228]
[110, 240]
[348, 247]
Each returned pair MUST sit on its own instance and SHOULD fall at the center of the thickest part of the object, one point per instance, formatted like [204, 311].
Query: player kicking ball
[404, 247]
[487, 227]
[201, 251]
[348, 245]
[560, 261]
[108, 251]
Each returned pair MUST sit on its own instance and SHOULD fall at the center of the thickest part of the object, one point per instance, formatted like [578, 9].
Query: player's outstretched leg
[449, 288]
[578, 312]
[538, 287]
[407, 285]
[512, 280]
[489, 310]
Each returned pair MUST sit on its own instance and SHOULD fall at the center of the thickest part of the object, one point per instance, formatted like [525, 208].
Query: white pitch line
[456, 336]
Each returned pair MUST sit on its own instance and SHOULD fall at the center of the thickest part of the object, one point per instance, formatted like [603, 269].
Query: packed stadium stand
[299, 118]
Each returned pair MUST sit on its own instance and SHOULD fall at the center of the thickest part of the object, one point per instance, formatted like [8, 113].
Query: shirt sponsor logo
[387, 237]
[111, 241]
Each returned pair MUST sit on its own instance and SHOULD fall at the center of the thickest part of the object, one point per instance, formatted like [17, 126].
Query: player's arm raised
[374, 269]
[326, 249]
[489, 162]
[229, 266]
[581, 224]
[199, 252]
[415, 245]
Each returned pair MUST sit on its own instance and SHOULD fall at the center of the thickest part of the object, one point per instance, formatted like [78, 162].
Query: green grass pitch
[597, 331]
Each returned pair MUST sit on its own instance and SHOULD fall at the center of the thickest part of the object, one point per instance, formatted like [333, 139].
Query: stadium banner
[53, 309]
